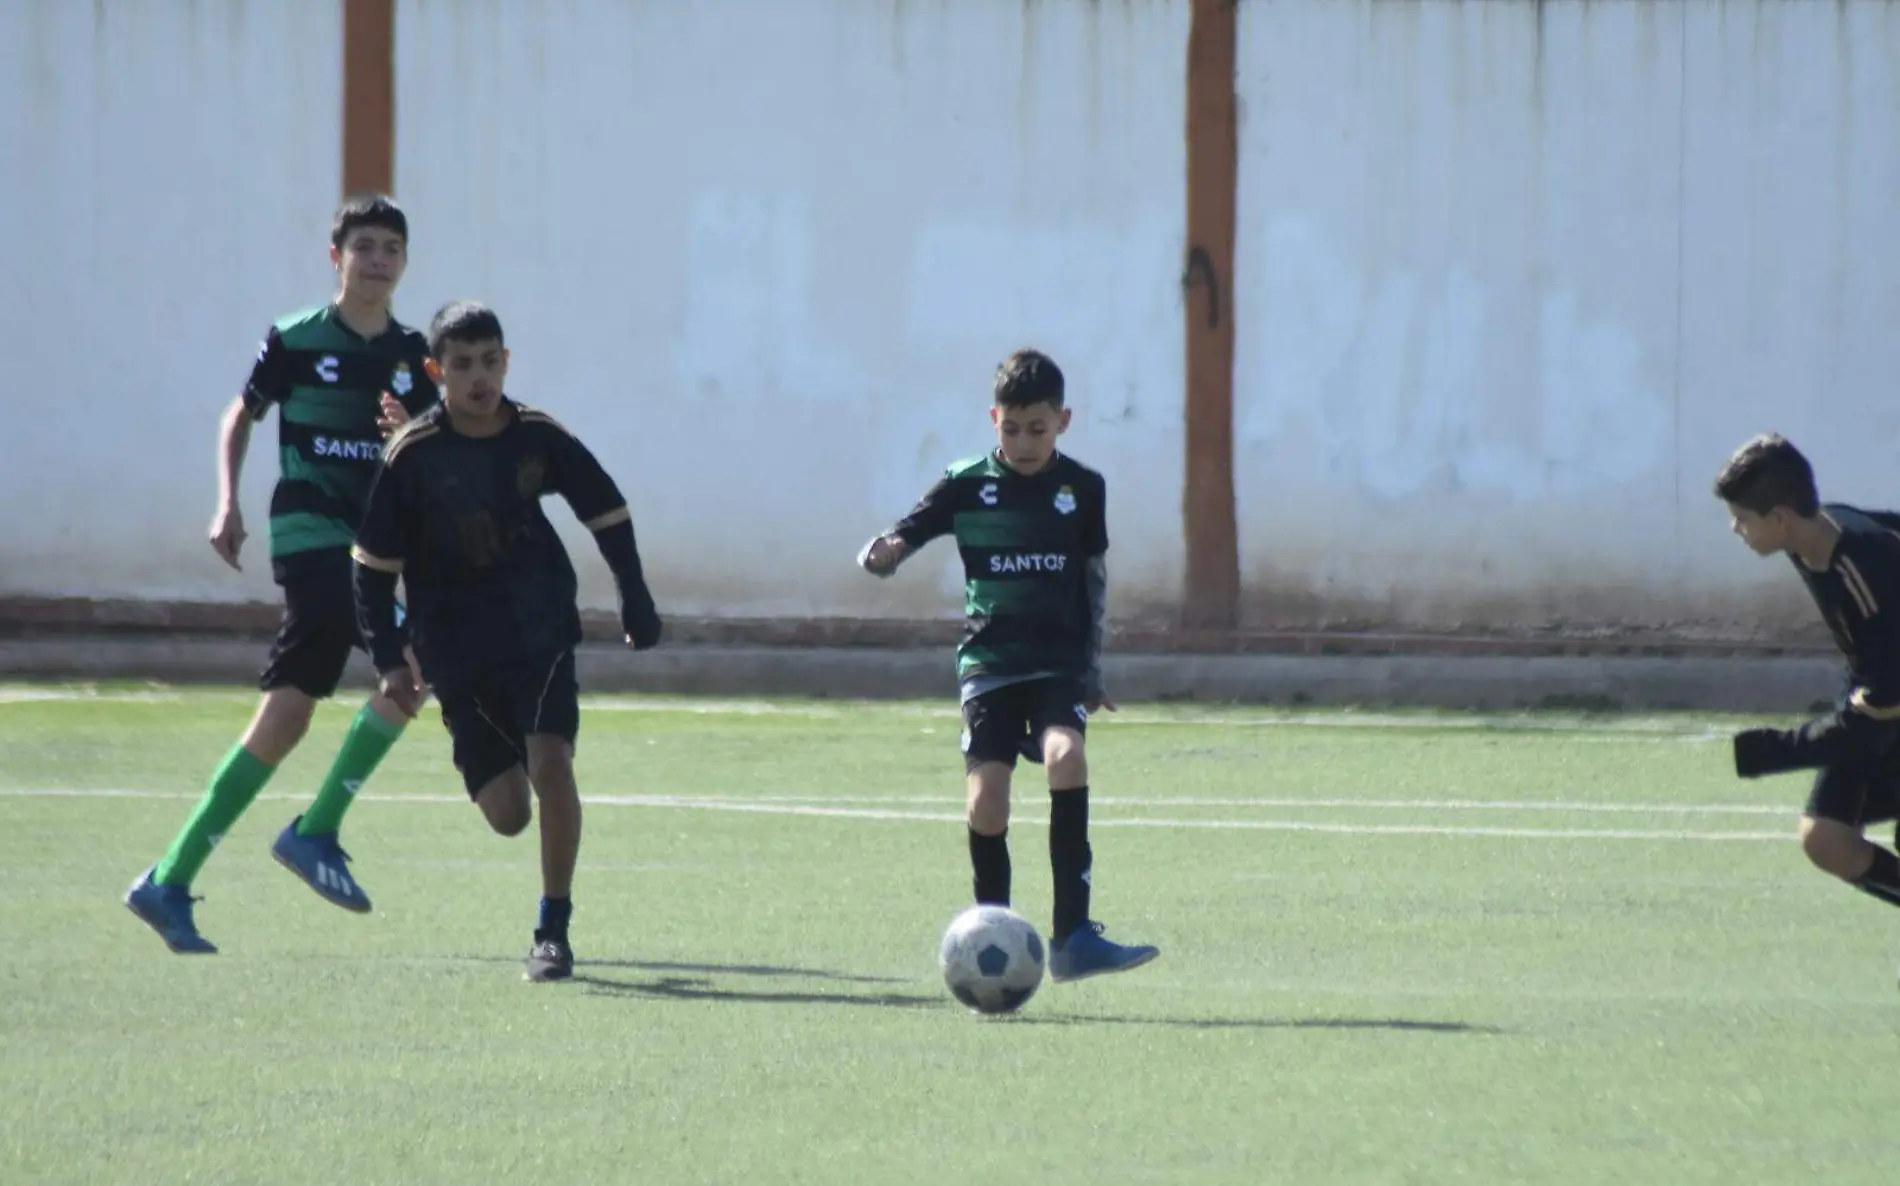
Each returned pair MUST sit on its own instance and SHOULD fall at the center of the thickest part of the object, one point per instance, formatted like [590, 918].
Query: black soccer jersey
[1858, 594]
[327, 381]
[488, 579]
[1032, 546]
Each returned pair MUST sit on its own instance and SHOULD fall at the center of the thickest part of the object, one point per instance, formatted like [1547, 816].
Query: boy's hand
[394, 415]
[1098, 703]
[227, 535]
[641, 623]
[882, 555]
[401, 687]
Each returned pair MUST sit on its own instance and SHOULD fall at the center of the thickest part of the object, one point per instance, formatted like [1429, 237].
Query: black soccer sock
[1070, 859]
[989, 858]
[1882, 879]
[555, 913]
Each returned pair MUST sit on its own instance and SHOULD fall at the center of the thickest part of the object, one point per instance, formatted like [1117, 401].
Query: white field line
[755, 807]
[1690, 729]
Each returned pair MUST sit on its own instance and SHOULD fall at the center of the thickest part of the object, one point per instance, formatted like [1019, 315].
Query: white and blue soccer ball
[992, 959]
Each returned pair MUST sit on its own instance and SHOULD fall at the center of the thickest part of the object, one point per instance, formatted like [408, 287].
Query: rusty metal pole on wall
[1212, 594]
[369, 96]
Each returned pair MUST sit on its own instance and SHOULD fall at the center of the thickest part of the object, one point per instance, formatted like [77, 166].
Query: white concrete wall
[1515, 278]
[167, 173]
[764, 255]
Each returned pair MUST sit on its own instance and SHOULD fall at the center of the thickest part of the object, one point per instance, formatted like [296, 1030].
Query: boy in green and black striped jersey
[1031, 528]
[341, 377]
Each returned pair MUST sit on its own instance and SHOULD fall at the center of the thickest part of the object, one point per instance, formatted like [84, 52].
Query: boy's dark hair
[1766, 473]
[361, 210]
[1028, 377]
[463, 321]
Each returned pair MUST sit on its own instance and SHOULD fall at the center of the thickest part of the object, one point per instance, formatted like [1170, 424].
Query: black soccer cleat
[551, 959]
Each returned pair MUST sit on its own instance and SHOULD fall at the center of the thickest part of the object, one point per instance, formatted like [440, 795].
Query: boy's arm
[598, 503]
[380, 552]
[1867, 727]
[269, 384]
[1095, 582]
[931, 517]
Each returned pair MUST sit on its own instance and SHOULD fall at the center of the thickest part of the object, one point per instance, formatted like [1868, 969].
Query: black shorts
[318, 630]
[490, 719]
[1008, 723]
[1855, 795]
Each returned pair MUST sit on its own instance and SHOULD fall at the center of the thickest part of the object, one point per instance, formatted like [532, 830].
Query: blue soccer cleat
[1086, 953]
[320, 861]
[167, 910]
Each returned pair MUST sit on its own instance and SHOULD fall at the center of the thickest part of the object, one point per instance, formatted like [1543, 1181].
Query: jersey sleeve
[270, 376]
[1097, 541]
[1866, 727]
[577, 476]
[383, 537]
[1872, 578]
[934, 515]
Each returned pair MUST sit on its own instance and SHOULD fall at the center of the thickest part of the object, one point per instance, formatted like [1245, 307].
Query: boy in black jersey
[1850, 561]
[456, 511]
[1031, 527]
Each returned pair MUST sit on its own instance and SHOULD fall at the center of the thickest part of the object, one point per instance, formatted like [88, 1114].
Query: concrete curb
[1755, 684]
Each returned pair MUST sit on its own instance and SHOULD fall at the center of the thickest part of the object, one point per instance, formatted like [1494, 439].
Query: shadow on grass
[671, 986]
[580, 964]
[682, 988]
[1400, 1024]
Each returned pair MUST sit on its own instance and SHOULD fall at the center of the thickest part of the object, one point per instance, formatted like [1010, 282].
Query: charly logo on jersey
[327, 368]
[400, 380]
[1065, 500]
[988, 494]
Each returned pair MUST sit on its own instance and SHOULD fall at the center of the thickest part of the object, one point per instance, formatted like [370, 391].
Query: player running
[492, 596]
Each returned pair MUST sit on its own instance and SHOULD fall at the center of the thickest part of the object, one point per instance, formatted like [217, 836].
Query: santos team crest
[1065, 500]
[400, 380]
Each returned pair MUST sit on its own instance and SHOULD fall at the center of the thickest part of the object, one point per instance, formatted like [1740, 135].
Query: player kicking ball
[492, 597]
[1032, 529]
[1850, 561]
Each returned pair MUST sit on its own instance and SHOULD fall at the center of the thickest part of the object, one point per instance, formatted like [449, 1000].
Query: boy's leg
[308, 845]
[489, 755]
[161, 897]
[378, 725]
[493, 756]
[551, 721]
[1843, 802]
[993, 729]
[551, 771]
[1077, 947]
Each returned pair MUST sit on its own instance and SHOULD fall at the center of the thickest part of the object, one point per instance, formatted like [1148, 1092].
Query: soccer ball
[992, 959]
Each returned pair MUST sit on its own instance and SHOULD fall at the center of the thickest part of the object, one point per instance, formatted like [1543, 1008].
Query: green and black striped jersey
[1034, 575]
[326, 381]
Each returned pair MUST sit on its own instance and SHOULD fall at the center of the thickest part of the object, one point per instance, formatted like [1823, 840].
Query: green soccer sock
[369, 738]
[232, 788]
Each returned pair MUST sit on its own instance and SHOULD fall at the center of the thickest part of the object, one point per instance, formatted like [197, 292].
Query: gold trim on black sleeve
[537, 416]
[613, 518]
